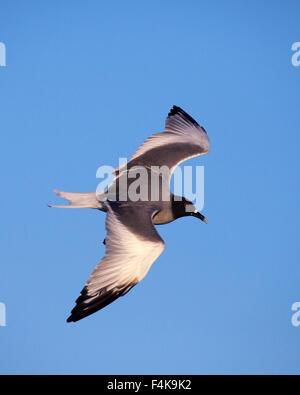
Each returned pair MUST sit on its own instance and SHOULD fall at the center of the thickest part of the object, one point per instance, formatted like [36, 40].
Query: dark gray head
[185, 208]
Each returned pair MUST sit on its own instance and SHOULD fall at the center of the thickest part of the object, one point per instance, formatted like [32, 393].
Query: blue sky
[85, 84]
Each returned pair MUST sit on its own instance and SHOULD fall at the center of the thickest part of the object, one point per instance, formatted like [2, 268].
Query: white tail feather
[78, 200]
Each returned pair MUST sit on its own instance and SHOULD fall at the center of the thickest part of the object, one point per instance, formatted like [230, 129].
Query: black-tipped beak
[200, 216]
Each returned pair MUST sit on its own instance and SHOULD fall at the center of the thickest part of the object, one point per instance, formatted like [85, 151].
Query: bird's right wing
[182, 139]
[132, 245]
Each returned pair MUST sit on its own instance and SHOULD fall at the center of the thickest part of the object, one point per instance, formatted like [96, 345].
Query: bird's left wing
[132, 245]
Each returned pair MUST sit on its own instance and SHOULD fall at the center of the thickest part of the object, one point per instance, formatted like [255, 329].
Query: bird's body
[132, 242]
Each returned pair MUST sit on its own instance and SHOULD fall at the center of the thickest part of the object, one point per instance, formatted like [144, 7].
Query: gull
[132, 241]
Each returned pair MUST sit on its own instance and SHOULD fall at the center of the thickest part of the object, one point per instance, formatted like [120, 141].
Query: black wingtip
[175, 110]
[97, 302]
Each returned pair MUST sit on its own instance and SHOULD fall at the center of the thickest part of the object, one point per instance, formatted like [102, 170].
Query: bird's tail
[79, 200]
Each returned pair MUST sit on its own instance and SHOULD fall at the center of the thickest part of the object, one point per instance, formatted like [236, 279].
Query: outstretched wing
[132, 245]
[182, 139]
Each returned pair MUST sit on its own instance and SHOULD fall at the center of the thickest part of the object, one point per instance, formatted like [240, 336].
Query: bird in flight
[132, 241]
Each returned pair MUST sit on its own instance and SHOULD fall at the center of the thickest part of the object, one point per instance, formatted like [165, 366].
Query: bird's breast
[163, 217]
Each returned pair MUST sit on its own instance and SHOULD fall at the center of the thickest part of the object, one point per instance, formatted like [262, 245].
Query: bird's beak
[200, 216]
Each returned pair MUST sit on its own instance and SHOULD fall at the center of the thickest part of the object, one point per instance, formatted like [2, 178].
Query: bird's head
[185, 208]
